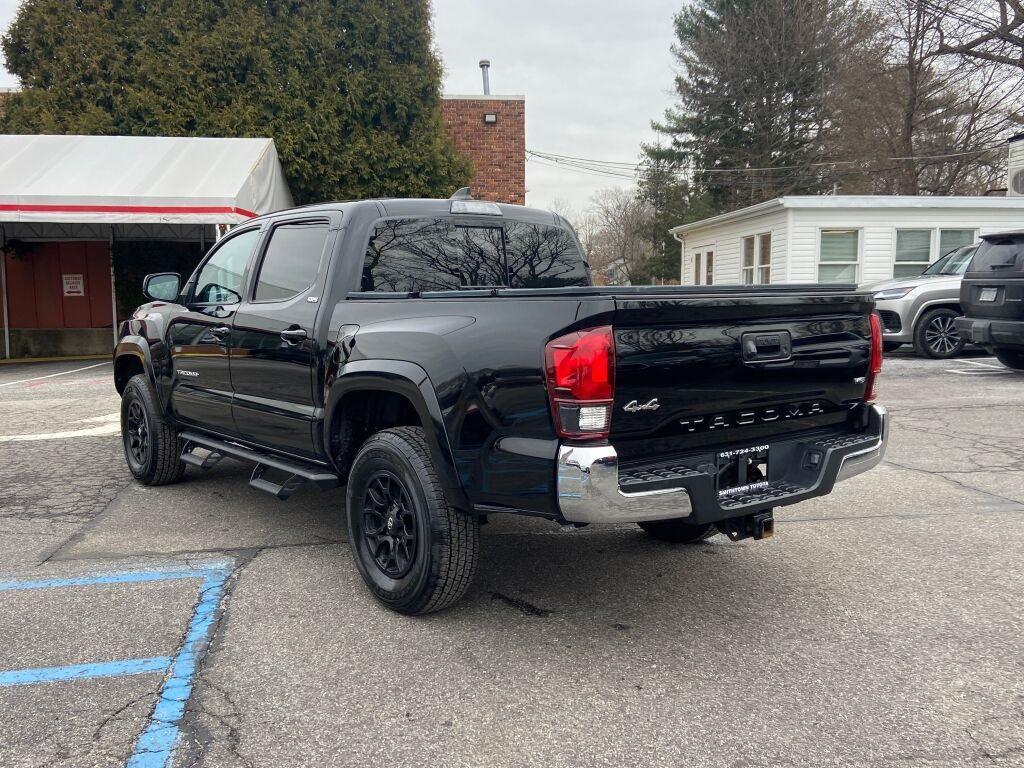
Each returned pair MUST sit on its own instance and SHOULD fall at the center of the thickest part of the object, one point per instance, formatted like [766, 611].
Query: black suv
[992, 297]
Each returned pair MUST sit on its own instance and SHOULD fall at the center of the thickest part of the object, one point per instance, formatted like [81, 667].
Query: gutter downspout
[3, 279]
[682, 256]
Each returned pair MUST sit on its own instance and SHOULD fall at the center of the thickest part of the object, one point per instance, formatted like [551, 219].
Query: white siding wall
[798, 230]
[726, 240]
[878, 233]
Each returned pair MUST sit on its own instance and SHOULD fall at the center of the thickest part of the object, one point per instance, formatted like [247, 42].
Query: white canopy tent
[132, 187]
[139, 179]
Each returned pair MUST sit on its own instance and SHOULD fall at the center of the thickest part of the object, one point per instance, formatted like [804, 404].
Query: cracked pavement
[882, 626]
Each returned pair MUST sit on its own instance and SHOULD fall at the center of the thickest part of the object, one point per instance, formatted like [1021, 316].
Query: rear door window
[435, 254]
[292, 260]
[540, 256]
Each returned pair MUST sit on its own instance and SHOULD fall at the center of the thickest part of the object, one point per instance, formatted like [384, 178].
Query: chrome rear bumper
[589, 490]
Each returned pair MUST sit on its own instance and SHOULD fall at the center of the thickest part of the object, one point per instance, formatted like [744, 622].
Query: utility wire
[618, 167]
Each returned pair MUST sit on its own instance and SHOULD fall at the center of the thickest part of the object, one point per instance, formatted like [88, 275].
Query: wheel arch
[400, 394]
[928, 306]
[131, 357]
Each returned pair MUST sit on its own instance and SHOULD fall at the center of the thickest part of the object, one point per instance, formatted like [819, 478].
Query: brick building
[491, 131]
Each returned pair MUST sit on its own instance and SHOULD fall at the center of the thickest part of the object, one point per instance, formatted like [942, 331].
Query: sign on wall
[74, 285]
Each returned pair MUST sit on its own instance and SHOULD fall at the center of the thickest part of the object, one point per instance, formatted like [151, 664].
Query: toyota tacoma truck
[447, 360]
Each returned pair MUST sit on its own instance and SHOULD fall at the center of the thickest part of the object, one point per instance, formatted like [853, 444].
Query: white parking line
[51, 375]
[102, 429]
[977, 373]
[985, 365]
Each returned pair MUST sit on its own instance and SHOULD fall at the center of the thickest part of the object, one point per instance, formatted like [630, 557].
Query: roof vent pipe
[485, 69]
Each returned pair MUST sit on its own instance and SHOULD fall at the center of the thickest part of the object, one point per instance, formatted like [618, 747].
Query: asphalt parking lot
[207, 624]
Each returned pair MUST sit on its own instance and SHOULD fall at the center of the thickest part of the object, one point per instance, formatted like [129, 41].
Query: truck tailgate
[706, 370]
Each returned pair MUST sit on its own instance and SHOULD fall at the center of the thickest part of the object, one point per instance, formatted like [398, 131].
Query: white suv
[922, 310]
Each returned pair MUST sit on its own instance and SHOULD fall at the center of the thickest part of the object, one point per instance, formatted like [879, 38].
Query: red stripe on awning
[158, 209]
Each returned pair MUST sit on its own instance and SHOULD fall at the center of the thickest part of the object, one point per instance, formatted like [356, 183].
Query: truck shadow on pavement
[528, 567]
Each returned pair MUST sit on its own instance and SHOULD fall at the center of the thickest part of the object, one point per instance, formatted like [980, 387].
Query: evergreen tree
[752, 95]
[348, 89]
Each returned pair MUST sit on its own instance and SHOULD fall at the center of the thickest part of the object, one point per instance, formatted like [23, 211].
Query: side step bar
[298, 474]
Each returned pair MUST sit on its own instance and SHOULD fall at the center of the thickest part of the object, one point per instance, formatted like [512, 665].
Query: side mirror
[163, 286]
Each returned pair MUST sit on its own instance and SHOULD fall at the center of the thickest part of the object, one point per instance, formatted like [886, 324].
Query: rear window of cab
[448, 254]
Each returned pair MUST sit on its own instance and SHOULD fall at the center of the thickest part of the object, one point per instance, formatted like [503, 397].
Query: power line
[617, 167]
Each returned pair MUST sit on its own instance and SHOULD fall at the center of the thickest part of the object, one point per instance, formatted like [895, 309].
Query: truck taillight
[581, 382]
[875, 360]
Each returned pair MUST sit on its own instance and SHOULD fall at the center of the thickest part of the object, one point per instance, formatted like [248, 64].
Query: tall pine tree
[753, 94]
[348, 89]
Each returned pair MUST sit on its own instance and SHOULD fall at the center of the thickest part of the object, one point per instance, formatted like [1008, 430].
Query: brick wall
[497, 150]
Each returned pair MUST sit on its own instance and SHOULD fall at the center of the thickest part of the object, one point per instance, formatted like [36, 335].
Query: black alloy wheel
[415, 551]
[937, 335]
[389, 524]
[152, 448]
[136, 435]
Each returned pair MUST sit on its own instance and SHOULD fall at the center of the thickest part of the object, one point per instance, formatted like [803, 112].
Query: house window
[703, 267]
[757, 259]
[951, 239]
[913, 252]
[764, 258]
[837, 257]
[749, 247]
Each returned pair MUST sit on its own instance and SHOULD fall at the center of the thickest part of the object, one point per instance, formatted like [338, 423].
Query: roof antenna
[461, 194]
[485, 69]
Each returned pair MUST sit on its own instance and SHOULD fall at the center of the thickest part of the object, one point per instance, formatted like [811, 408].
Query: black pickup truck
[450, 359]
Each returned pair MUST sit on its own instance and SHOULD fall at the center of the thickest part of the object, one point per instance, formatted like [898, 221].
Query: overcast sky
[594, 72]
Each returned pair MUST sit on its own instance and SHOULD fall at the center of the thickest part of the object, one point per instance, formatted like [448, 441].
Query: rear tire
[679, 531]
[416, 553]
[1011, 358]
[936, 335]
[152, 447]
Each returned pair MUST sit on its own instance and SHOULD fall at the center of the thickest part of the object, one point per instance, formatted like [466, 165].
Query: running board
[297, 474]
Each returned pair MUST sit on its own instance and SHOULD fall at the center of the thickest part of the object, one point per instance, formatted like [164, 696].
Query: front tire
[1011, 358]
[416, 553]
[678, 530]
[152, 447]
[936, 335]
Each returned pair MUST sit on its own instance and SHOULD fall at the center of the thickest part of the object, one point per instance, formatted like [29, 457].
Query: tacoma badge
[633, 406]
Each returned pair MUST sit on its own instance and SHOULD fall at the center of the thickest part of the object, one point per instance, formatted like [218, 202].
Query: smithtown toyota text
[447, 360]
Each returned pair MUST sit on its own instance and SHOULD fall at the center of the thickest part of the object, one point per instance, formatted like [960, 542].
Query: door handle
[294, 335]
[220, 331]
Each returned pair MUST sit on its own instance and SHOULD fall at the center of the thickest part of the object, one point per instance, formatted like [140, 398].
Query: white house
[837, 238]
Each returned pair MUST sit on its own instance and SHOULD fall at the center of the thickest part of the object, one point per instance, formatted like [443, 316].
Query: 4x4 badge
[633, 406]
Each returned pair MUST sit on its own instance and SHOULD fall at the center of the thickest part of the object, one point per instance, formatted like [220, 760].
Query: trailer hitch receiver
[760, 525]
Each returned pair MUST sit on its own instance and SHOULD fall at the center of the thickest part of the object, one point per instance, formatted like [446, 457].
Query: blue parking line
[131, 577]
[84, 671]
[155, 745]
